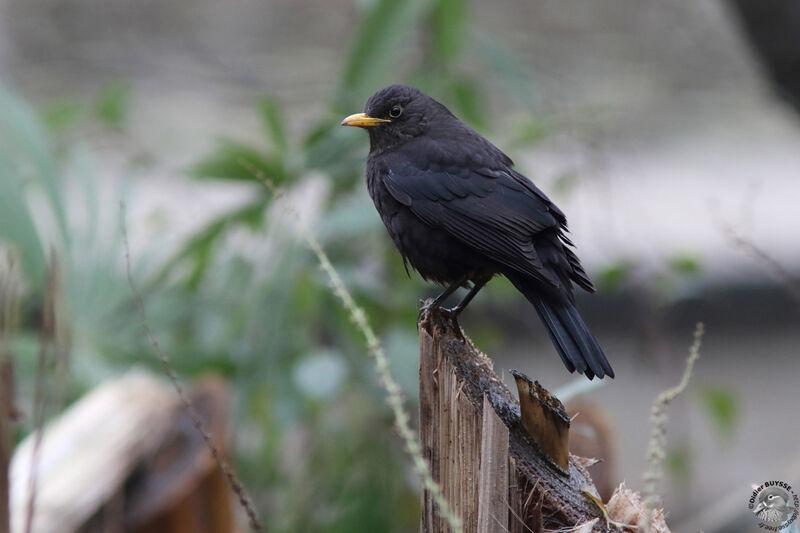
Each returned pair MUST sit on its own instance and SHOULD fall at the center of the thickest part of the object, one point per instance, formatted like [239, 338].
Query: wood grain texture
[491, 471]
[494, 467]
[545, 419]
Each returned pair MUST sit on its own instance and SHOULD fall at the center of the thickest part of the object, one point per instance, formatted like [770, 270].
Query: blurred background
[666, 130]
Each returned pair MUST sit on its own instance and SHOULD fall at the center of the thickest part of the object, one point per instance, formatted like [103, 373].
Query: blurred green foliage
[314, 441]
[614, 276]
[62, 115]
[112, 104]
[678, 462]
[722, 406]
[686, 264]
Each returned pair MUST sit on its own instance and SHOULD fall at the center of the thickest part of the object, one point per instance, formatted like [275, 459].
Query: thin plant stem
[656, 448]
[230, 474]
[47, 333]
[394, 395]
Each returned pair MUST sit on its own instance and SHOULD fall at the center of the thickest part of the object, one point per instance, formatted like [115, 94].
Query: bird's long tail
[576, 345]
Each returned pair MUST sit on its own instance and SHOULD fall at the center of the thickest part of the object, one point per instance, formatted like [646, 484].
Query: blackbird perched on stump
[460, 214]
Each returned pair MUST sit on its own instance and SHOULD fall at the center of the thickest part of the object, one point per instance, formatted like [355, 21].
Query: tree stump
[501, 467]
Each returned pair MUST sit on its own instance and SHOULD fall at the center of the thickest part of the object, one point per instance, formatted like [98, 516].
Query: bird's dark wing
[496, 211]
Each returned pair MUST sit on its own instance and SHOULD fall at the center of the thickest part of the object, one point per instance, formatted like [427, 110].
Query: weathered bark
[132, 460]
[493, 472]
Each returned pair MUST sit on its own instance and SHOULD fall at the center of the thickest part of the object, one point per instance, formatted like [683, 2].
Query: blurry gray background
[659, 113]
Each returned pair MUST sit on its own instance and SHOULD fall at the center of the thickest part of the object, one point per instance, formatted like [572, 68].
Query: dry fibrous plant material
[656, 448]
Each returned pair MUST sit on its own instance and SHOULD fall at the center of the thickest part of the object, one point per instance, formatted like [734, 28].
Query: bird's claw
[453, 311]
[449, 312]
[427, 306]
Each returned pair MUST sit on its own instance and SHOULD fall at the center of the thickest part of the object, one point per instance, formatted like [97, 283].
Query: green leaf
[678, 461]
[448, 29]
[383, 29]
[235, 161]
[686, 264]
[722, 406]
[61, 116]
[468, 103]
[614, 276]
[199, 248]
[338, 152]
[272, 118]
[17, 230]
[112, 104]
[26, 154]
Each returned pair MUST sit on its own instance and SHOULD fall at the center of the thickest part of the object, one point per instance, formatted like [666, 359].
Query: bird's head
[774, 500]
[397, 114]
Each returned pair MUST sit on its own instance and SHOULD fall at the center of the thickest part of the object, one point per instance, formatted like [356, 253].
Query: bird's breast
[430, 250]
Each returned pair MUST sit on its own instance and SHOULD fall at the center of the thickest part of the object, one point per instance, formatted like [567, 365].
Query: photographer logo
[775, 505]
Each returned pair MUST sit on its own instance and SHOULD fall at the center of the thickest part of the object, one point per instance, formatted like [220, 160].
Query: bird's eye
[395, 111]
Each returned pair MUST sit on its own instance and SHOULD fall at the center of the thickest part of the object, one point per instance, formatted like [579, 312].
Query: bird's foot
[450, 313]
[454, 311]
[432, 313]
[427, 305]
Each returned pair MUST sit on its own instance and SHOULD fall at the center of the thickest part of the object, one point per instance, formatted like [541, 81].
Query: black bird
[459, 213]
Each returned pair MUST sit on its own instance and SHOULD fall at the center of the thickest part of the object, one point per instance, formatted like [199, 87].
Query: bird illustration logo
[773, 506]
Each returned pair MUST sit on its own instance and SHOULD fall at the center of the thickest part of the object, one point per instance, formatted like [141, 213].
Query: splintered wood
[496, 475]
[545, 419]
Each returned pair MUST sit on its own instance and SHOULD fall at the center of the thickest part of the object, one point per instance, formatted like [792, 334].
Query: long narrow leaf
[272, 118]
[383, 30]
[17, 230]
[199, 247]
[448, 29]
[226, 163]
[25, 148]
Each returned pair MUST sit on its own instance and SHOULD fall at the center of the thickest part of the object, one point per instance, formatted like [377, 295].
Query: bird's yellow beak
[362, 120]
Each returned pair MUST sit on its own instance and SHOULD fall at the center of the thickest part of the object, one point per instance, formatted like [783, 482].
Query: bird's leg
[476, 287]
[447, 292]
